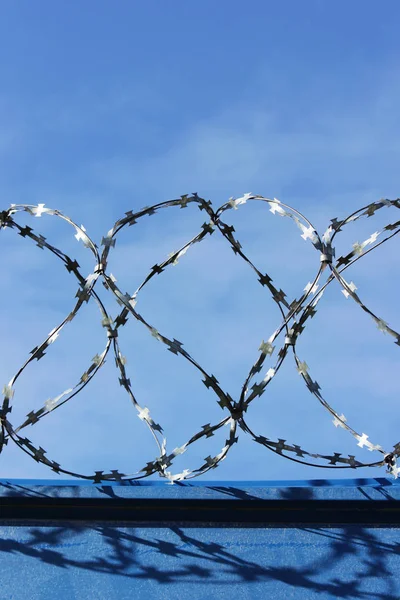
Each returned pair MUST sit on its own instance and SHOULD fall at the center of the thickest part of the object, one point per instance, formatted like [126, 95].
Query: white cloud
[248, 147]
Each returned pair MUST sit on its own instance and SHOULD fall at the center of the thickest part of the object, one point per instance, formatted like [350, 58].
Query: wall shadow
[138, 553]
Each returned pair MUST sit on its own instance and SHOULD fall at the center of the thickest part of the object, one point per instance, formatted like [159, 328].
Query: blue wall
[176, 560]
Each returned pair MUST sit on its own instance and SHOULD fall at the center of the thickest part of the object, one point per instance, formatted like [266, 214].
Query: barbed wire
[295, 316]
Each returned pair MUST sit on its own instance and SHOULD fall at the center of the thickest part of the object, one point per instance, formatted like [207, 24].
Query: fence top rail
[312, 490]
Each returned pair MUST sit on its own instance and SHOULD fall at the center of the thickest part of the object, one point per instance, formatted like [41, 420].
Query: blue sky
[109, 107]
